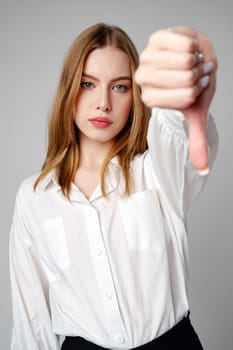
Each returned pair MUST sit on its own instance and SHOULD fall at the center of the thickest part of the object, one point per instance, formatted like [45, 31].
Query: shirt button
[120, 338]
[99, 251]
[109, 295]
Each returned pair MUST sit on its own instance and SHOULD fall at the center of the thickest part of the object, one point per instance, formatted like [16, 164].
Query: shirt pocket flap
[143, 222]
[50, 240]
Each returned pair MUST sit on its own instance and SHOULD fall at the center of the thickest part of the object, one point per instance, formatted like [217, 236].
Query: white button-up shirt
[113, 269]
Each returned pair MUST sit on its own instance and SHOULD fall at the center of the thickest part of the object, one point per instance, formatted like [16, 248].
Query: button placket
[104, 278]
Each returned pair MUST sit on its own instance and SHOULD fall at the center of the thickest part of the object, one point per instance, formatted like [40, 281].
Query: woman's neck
[91, 158]
[92, 154]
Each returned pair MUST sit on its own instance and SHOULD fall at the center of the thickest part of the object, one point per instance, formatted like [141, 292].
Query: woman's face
[105, 97]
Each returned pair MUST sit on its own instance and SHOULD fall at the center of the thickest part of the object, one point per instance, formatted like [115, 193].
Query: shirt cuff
[174, 121]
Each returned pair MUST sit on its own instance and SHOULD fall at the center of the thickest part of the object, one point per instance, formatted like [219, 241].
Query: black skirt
[181, 337]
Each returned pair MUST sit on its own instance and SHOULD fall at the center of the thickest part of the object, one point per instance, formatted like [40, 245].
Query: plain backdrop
[34, 37]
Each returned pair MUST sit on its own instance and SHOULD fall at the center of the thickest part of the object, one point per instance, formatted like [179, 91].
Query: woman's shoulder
[26, 187]
[27, 183]
[28, 197]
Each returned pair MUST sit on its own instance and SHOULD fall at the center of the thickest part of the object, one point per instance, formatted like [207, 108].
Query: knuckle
[153, 37]
[148, 99]
[139, 76]
[191, 95]
[188, 61]
[157, 37]
[189, 44]
[142, 56]
[190, 77]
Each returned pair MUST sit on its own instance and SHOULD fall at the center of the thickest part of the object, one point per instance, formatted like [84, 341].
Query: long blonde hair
[63, 153]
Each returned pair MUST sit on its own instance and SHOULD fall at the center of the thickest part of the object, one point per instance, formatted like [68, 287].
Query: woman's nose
[104, 102]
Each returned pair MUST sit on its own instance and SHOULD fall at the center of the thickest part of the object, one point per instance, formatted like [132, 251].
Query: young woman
[98, 246]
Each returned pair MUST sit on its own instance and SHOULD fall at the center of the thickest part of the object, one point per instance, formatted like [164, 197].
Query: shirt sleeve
[32, 328]
[168, 149]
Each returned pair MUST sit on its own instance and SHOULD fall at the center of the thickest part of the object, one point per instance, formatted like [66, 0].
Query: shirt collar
[112, 181]
[50, 178]
[115, 161]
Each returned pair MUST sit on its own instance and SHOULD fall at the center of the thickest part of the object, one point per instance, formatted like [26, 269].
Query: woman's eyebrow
[122, 77]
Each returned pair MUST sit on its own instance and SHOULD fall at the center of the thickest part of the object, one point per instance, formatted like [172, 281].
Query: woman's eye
[120, 87]
[86, 85]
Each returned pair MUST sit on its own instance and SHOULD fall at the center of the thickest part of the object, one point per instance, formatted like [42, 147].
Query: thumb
[198, 148]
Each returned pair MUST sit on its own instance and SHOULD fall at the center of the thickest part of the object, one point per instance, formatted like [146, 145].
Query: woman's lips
[101, 122]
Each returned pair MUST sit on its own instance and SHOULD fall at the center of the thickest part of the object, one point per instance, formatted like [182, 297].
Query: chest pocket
[143, 222]
[51, 245]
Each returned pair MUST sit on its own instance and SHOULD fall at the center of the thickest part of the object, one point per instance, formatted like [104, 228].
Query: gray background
[34, 36]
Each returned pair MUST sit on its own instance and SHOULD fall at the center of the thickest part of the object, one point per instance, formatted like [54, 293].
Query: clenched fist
[177, 70]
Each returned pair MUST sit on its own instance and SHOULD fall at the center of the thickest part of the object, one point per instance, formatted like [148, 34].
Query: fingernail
[203, 172]
[207, 67]
[204, 81]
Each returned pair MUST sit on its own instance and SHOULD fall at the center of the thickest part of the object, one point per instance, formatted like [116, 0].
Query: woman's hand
[177, 70]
